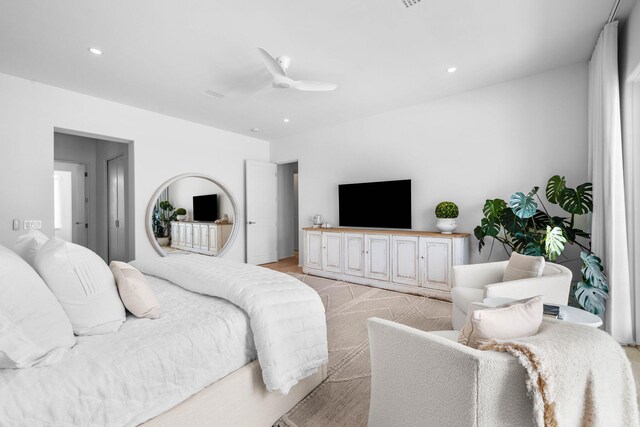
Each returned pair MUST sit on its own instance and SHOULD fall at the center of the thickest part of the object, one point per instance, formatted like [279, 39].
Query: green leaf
[578, 201]
[493, 209]
[480, 235]
[591, 298]
[555, 187]
[554, 242]
[524, 206]
[489, 227]
[593, 272]
[533, 249]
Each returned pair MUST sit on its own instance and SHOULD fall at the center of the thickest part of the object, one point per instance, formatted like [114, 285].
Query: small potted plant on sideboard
[181, 214]
[447, 212]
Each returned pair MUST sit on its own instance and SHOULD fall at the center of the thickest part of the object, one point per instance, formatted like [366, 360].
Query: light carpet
[343, 398]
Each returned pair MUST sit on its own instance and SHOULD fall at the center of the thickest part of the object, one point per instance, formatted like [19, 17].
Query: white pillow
[523, 267]
[29, 244]
[517, 319]
[83, 284]
[33, 327]
[135, 291]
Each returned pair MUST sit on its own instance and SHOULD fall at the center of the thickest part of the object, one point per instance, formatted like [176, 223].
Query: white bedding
[287, 317]
[136, 373]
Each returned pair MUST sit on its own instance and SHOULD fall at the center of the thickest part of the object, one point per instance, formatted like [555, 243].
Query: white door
[262, 212]
[70, 202]
[313, 250]
[376, 256]
[405, 260]
[116, 209]
[354, 254]
[435, 259]
[332, 252]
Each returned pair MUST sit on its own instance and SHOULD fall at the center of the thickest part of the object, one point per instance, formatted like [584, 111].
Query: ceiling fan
[278, 69]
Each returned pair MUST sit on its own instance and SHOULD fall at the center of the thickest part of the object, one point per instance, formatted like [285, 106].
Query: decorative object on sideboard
[326, 225]
[224, 220]
[181, 214]
[447, 212]
[522, 227]
[317, 221]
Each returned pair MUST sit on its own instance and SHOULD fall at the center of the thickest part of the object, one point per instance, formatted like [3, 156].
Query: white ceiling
[161, 54]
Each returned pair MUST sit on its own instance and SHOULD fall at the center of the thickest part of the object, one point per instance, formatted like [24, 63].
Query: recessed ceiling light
[95, 51]
[451, 70]
[255, 129]
[286, 120]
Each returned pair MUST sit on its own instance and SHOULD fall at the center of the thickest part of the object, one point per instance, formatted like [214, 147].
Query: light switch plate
[16, 224]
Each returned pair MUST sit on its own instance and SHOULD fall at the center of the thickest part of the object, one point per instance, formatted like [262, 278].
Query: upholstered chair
[423, 378]
[475, 282]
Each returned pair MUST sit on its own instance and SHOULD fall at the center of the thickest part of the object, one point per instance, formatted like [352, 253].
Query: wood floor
[286, 265]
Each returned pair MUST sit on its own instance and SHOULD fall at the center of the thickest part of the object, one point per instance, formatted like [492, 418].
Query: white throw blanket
[577, 376]
[287, 317]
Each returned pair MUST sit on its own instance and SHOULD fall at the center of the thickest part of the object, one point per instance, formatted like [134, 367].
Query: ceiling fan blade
[272, 65]
[313, 86]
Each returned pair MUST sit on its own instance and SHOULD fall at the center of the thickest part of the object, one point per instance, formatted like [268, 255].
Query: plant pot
[163, 241]
[446, 225]
[181, 217]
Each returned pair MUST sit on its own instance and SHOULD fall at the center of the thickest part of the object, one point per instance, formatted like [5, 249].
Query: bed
[196, 365]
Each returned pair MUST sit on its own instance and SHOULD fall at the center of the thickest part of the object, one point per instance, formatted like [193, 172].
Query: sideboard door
[332, 252]
[313, 250]
[354, 254]
[376, 256]
[404, 257]
[435, 263]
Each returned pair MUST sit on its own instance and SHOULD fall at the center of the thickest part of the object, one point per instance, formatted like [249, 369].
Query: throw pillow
[517, 319]
[523, 267]
[135, 291]
[83, 284]
[34, 330]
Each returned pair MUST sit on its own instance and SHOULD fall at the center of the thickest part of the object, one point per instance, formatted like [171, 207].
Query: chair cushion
[523, 267]
[516, 319]
[462, 296]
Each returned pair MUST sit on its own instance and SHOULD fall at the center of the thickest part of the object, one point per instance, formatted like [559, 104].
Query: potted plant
[181, 214]
[521, 226]
[163, 214]
[447, 212]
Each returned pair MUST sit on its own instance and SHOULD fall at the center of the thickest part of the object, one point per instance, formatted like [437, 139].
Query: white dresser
[202, 237]
[417, 262]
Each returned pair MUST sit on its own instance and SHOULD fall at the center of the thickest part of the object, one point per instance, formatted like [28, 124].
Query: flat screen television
[385, 204]
[205, 208]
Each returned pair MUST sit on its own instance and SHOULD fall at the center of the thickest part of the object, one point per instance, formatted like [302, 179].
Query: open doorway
[94, 209]
[70, 200]
[288, 223]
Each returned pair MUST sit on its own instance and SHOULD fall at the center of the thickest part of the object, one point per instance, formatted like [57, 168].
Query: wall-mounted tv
[385, 204]
[205, 208]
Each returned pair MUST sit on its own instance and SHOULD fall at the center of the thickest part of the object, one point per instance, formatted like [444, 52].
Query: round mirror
[192, 213]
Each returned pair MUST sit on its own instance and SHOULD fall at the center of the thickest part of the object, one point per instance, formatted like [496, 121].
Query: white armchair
[475, 282]
[428, 379]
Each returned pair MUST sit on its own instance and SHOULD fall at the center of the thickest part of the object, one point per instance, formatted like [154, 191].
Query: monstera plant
[162, 217]
[524, 225]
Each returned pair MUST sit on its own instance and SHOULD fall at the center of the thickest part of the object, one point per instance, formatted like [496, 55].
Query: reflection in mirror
[192, 214]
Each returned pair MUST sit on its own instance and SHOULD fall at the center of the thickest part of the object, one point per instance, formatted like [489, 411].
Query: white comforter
[145, 368]
[287, 317]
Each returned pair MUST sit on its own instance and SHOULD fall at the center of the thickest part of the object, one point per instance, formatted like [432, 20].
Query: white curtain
[609, 227]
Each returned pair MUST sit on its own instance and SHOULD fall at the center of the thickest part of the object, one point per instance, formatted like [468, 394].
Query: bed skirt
[239, 399]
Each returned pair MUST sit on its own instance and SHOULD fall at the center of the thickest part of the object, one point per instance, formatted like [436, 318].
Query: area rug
[343, 398]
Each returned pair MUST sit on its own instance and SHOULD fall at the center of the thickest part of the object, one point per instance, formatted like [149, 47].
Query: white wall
[466, 148]
[163, 147]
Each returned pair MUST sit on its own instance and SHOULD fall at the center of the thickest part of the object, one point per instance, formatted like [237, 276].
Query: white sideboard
[202, 237]
[417, 262]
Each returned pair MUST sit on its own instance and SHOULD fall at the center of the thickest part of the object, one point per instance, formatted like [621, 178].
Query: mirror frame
[156, 194]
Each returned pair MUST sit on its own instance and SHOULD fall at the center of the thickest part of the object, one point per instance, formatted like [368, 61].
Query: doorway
[116, 209]
[70, 198]
[106, 227]
[288, 222]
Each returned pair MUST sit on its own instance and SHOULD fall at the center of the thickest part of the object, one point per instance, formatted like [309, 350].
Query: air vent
[409, 3]
[212, 93]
